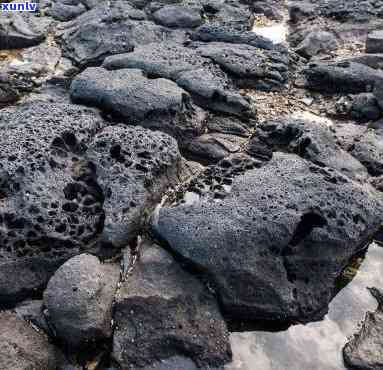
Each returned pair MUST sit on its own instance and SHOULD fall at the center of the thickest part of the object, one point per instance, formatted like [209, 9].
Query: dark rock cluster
[146, 199]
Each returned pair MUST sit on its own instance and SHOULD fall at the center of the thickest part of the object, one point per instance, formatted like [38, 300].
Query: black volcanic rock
[177, 16]
[185, 66]
[271, 240]
[314, 141]
[51, 205]
[20, 30]
[162, 313]
[135, 168]
[106, 30]
[155, 103]
[79, 299]
[343, 77]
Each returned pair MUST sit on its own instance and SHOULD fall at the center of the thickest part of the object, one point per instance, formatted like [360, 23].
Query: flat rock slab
[162, 312]
[155, 103]
[22, 347]
[341, 77]
[79, 300]
[365, 349]
[185, 66]
[271, 240]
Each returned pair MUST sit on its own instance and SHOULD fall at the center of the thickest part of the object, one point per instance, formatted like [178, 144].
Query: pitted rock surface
[51, 202]
[155, 103]
[274, 240]
[135, 167]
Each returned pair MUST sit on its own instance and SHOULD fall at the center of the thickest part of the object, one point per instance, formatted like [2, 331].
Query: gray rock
[313, 141]
[135, 168]
[20, 30]
[155, 103]
[365, 349]
[51, 204]
[162, 312]
[106, 30]
[79, 300]
[317, 42]
[33, 312]
[22, 347]
[364, 144]
[211, 148]
[177, 16]
[364, 107]
[298, 11]
[374, 42]
[371, 60]
[343, 77]
[272, 240]
[212, 33]
[185, 66]
[249, 67]
[65, 12]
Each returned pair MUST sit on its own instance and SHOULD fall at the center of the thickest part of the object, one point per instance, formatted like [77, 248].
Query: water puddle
[318, 345]
[275, 31]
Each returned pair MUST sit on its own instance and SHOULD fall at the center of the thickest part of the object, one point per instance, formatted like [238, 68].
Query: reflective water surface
[318, 345]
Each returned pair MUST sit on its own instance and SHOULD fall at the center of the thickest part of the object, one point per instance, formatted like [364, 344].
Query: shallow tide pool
[318, 345]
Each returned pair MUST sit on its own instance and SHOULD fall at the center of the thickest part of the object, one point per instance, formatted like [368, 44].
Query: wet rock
[311, 140]
[106, 30]
[365, 349]
[79, 300]
[211, 33]
[155, 103]
[374, 42]
[20, 30]
[177, 16]
[211, 148]
[51, 204]
[185, 66]
[22, 347]
[250, 67]
[273, 241]
[186, 321]
[344, 77]
[135, 168]
[317, 42]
